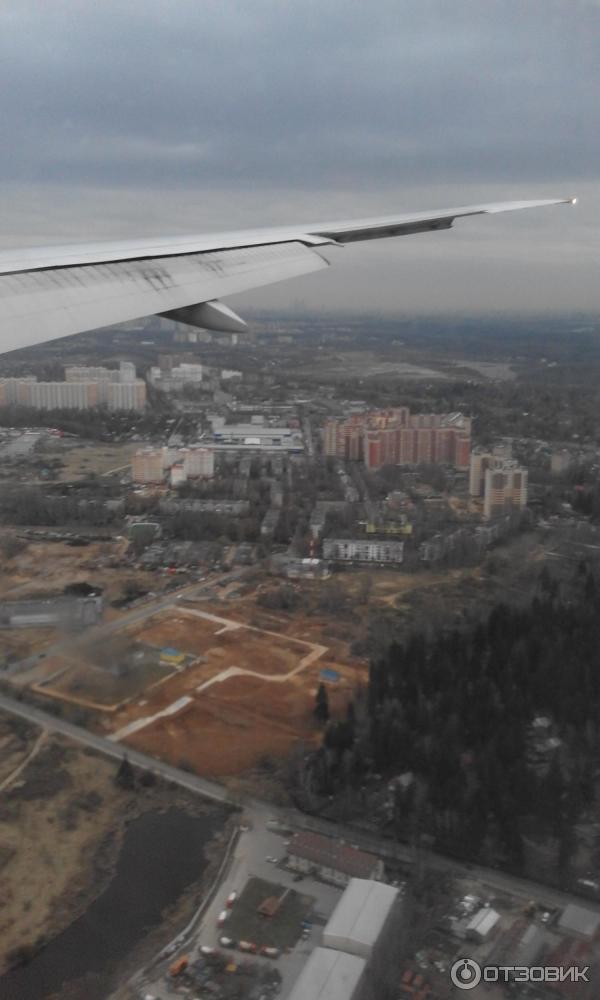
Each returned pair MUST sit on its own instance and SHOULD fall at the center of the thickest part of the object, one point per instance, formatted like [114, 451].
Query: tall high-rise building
[481, 460]
[505, 488]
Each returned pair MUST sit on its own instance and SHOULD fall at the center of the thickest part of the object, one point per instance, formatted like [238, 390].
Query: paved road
[192, 782]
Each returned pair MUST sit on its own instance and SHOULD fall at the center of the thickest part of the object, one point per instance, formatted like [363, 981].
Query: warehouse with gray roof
[329, 975]
[359, 917]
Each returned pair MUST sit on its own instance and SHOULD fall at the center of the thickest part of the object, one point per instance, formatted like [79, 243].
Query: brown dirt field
[52, 839]
[242, 647]
[16, 644]
[79, 462]
[61, 564]
[233, 724]
[96, 685]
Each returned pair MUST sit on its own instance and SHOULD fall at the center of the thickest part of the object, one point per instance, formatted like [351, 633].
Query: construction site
[194, 685]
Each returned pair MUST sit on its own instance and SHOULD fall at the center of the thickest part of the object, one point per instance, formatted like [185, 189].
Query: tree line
[494, 732]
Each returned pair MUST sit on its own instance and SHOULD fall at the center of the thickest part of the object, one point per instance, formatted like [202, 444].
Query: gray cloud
[172, 115]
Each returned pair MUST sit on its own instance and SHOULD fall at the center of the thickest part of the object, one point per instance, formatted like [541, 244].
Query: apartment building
[150, 465]
[362, 550]
[505, 488]
[397, 437]
[84, 387]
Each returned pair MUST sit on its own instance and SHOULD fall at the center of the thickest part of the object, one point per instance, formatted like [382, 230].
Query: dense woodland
[456, 717]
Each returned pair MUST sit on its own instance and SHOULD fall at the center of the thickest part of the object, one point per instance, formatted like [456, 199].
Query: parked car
[231, 899]
[227, 942]
[269, 952]
[248, 946]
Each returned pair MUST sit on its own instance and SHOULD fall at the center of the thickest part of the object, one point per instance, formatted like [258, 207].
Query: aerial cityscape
[299, 521]
[270, 600]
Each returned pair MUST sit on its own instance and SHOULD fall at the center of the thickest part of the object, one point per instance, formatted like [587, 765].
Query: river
[162, 853]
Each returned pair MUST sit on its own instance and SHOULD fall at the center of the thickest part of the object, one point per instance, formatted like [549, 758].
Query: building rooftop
[360, 915]
[329, 975]
[579, 920]
[333, 854]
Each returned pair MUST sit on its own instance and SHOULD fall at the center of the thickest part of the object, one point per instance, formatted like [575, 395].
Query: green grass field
[280, 931]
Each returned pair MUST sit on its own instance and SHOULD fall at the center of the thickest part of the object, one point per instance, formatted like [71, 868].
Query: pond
[162, 853]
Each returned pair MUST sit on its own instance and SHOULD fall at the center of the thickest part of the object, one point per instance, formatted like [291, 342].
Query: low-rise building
[482, 924]
[329, 975]
[363, 550]
[579, 921]
[332, 860]
[360, 916]
[64, 611]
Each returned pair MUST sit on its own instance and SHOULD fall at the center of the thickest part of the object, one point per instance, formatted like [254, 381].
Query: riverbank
[62, 828]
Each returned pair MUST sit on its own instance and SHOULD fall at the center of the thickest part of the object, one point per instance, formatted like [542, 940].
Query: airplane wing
[52, 292]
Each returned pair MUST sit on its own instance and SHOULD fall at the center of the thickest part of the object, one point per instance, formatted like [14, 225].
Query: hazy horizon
[179, 117]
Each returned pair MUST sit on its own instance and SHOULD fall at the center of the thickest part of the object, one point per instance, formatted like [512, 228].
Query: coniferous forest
[483, 743]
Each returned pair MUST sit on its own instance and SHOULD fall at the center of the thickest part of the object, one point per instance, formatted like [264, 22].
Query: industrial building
[256, 436]
[362, 550]
[63, 612]
[530, 946]
[332, 860]
[360, 916]
[329, 975]
[580, 921]
[482, 924]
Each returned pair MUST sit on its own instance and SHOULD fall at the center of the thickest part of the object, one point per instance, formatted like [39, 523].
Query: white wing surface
[52, 292]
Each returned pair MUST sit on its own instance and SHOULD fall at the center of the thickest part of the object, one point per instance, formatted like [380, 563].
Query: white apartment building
[60, 395]
[90, 373]
[10, 387]
[147, 465]
[84, 387]
[362, 550]
[150, 465]
[125, 395]
[198, 462]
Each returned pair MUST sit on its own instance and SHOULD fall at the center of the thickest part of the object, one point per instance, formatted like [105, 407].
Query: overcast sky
[159, 116]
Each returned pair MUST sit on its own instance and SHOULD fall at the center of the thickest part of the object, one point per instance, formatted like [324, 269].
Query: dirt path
[17, 771]
[316, 651]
